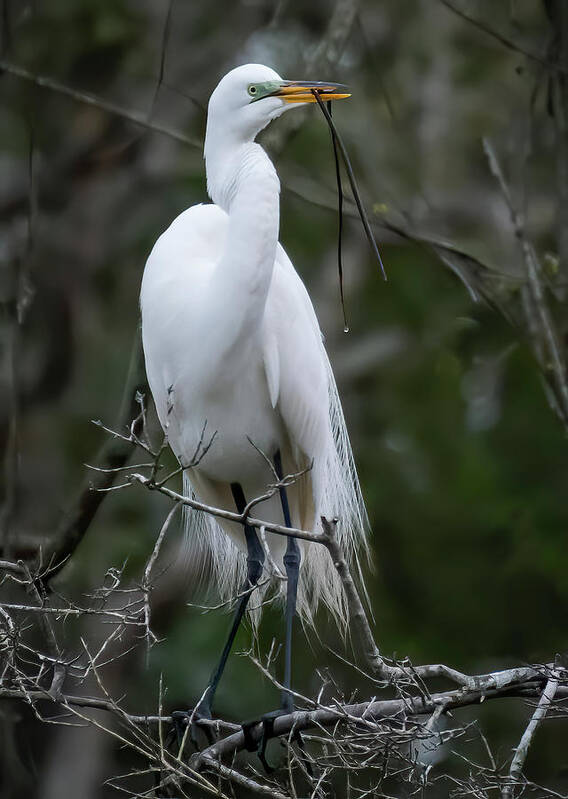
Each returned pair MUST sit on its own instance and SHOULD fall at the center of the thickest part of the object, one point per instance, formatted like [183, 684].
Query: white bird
[232, 345]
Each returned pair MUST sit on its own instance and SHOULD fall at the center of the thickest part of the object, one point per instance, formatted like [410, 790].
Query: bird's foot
[255, 744]
[190, 724]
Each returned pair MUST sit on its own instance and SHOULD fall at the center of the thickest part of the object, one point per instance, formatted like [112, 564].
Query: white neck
[232, 165]
[242, 180]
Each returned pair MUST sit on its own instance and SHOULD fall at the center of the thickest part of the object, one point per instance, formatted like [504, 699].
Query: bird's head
[251, 96]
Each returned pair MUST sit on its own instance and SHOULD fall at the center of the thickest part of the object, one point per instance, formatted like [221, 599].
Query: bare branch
[357, 613]
[533, 271]
[504, 40]
[138, 118]
[279, 529]
[146, 583]
[114, 454]
[394, 711]
[522, 749]
[232, 775]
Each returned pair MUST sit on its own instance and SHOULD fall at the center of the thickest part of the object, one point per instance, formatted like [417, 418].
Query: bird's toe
[193, 724]
[258, 733]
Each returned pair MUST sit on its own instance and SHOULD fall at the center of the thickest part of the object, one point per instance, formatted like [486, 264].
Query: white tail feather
[337, 494]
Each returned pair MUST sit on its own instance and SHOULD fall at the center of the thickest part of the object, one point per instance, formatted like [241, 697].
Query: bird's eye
[252, 90]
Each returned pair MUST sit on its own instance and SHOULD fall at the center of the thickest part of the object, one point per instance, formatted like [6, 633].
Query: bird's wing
[175, 279]
[295, 360]
[303, 388]
[177, 272]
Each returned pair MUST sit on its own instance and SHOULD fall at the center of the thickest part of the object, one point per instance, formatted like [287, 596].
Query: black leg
[292, 559]
[282, 490]
[255, 561]
[292, 565]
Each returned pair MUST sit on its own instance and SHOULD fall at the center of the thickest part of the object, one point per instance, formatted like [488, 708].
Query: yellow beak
[302, 91]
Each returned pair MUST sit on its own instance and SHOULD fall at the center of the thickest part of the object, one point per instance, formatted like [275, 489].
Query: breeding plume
[234, 351]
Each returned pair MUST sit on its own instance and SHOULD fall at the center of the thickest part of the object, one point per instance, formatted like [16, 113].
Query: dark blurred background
[461, 458]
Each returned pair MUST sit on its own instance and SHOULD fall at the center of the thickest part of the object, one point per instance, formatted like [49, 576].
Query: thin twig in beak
[352, 181]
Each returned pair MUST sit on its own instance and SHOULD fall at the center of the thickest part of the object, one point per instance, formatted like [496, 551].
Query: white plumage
[231, 340]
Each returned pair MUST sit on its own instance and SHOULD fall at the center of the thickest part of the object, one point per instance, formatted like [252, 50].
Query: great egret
[232, 345]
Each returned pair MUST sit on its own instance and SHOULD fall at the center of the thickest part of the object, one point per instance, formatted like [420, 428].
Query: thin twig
[280, 529]
[545, 701]
[533, 271]
[146, 582]
[352, 181]
[114, 453]
[389, 710]
[234, 776]
[357, 613]
[504, 40]
[138, 118]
